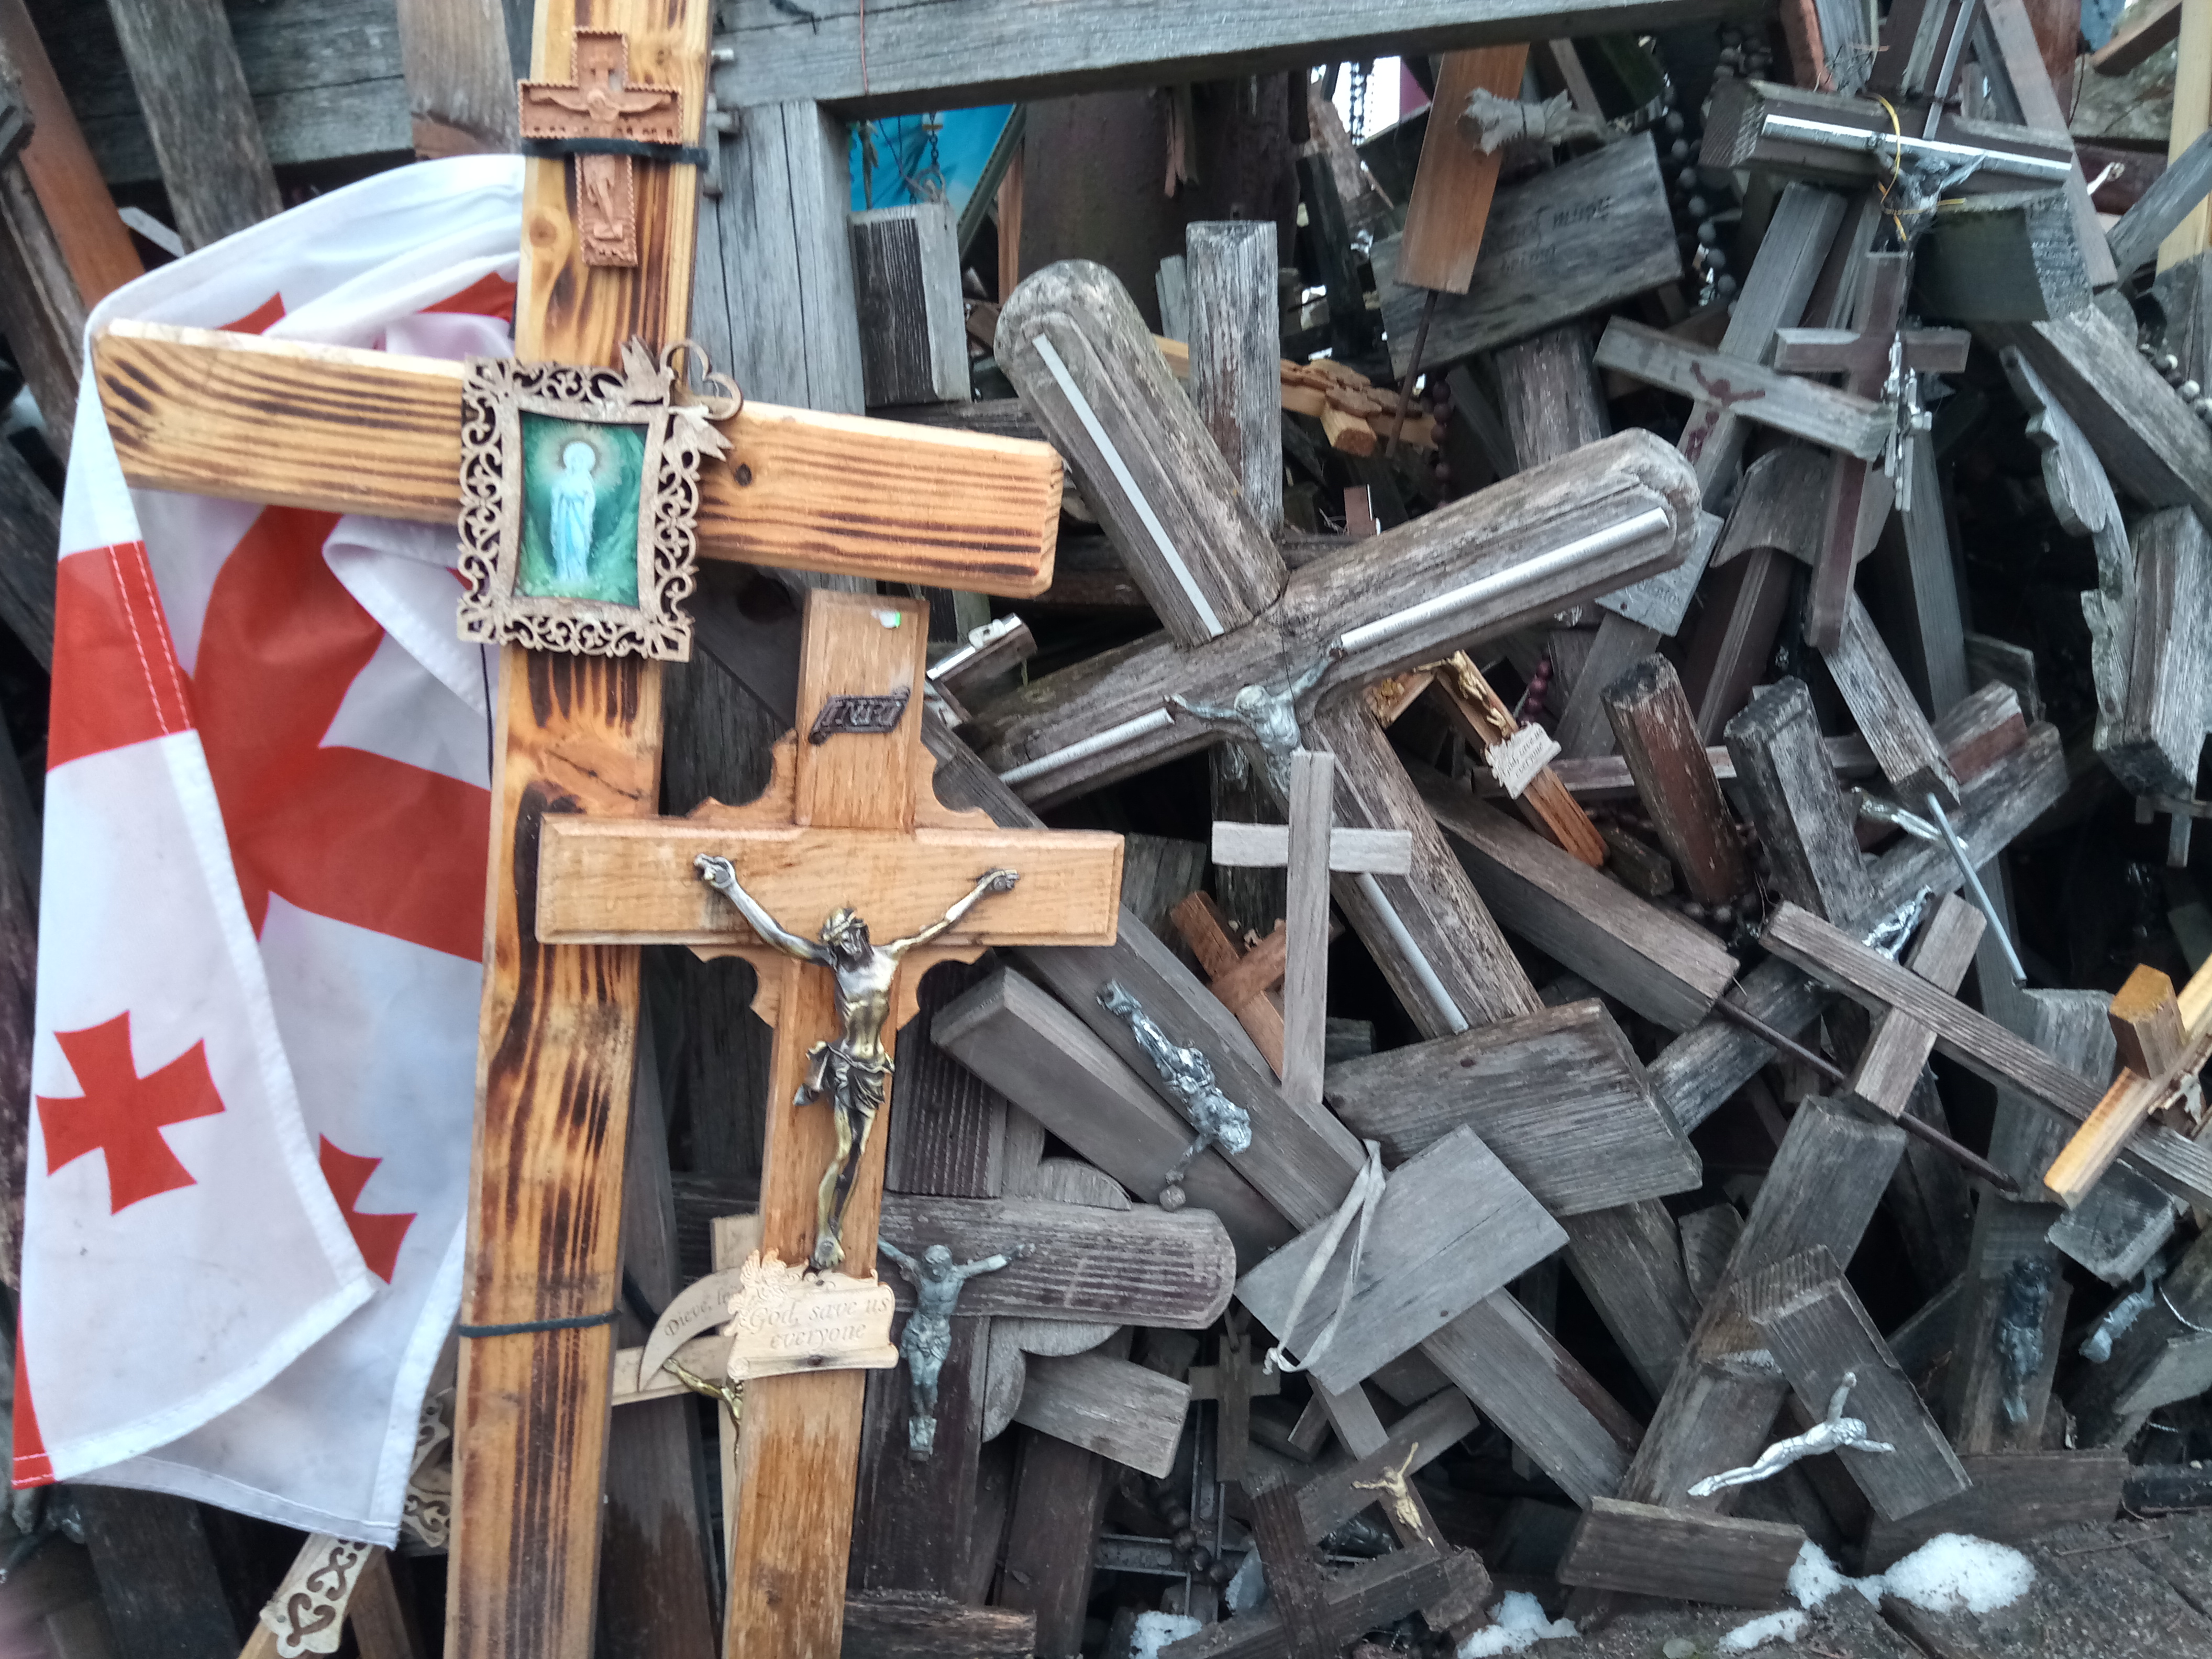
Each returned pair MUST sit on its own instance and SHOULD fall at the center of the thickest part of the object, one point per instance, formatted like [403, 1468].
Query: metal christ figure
[1270, 715]
[937, 1281]
[1189, 1075]
[851, 1072]
[1834, 1433]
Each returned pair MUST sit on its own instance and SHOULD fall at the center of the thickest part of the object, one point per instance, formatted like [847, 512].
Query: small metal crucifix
[604, 122]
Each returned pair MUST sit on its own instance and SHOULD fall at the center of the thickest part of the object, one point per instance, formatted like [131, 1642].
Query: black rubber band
[555, 149]
[574, 1323]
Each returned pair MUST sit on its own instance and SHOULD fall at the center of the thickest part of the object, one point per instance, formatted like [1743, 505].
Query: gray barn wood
[2159, 736]
[1905, 744]
[1804, 409]
[1658, 738]
[888, 1626]
[1452, 1227]
[906, 283]
[1558, 1095]
[1790, 797]
[1236, 344]
[2170, 198]
[1127, 1413]
[1060, 1500]
[2010, 257]
[1630, 1262]
[2105, 1398]
[2014, 1497]
[1573, 239]
[2006, 1238]
[1819, 1333]
[461, 72]
[1889, 1066]
[1680, 1556]
[185, 65]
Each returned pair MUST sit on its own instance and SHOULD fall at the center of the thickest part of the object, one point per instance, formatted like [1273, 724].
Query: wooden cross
[1312, 850]
[849, 820]
[1873, 356]
[346, 431]
[604, 117]
[2165, 1040]
[1233, 1381]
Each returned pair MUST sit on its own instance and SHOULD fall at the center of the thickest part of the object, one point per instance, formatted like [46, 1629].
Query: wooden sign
[785, 1319]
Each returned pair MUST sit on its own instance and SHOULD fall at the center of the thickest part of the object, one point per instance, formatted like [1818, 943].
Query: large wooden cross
[339, 430]
[849, 820]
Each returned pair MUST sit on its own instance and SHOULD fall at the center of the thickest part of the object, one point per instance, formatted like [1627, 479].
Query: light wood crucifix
[849, 822]
[603, 118]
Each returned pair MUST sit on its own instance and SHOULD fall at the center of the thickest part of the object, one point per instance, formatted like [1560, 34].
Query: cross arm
[1804, 409]
[344, 430]
[1824, 350]
[604, 882]
[1268, 845]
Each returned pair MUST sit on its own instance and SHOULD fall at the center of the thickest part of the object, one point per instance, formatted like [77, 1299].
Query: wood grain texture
[2010, 1240]
[1242, 978]
[1053, 1066]
[2007, 258]
[1792, 800]
[2172, 196]
[1372, 1594]
[1455, 182]
[1903, 742]
[1600, 1142]
[1985, 1049]
[30, 531]
[460, 76]
[2102, 1398]
[2008, 24]
[1665, 968]
[2158, 738]
[1574, 239]
[922, 1627]
[1413, 1443]
[206, 135]
[906, 282]
[2014, 1497]
[1453, 1226]
[1309, 849]
[40, 314]
[158, 1583]
[250, 419]
[1657, 737]
[1128, 1413]
[1819, 1333]
[1630, 1261]
[60, 170]
[920, 60]
[1060, 1501]
[1236, 341]
[1889, 1066]
[1786, 403]
[1646, 1550]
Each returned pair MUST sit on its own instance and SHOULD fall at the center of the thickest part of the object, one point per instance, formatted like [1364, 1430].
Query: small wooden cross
[1875, 357]
[603, 120]
[2164, 1039]
[1233, 1381]
[850, 822]
[1312, 849]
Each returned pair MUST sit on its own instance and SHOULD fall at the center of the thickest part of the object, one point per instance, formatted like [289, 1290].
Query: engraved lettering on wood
[784, 1319]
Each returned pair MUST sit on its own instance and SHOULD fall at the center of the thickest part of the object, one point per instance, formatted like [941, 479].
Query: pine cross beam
[341, 430]
[2164, 1041]
[2180, 1166]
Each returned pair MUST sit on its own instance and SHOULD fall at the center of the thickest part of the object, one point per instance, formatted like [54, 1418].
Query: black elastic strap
[574, 1323]
[555, 149]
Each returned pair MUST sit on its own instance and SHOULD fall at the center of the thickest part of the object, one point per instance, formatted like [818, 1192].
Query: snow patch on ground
[1519, 1624]
[1156, 1630]
[1786, 1625]
[1949, 1573]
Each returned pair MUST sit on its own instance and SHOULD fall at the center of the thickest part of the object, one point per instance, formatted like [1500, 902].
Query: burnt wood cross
[601, 119]
[1878, 358]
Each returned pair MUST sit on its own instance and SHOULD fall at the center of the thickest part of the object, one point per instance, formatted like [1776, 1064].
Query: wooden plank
[1683, 1556]
[2015, 1495]
[1454, 183]
[1235, 337]
[2105, 1398]
[1310, 851]
[921, 60]
[602, 882]
[1575, 239]
[1382, 851]
[919, 1628]
[1630, 1261]
[2011, 257]
[1050, 1063]
[1903, 742]
[2008, 24]
[254, 419]
[1453, 1226]
[545, 1203]
[1786, 403]
[1060, 1500]
[30, 531]
[1790, 796]
[1415, 1441]
[906, 283]
[184, 66]
[158, 1580]
[1983, 1047]
[2155, 25]
[1665, 968]
[1127, 1413]
[1240, 978]
[2011, 1269]
[2159, 737]
[1658, 738]
[1819, 1335]
[1889, 1066]
[1374, 1594]
[1604, 1141]
[2154, 448]
[459, 66]
[1144, 1266]
[2172, 198]
[41, 315]
[1736, 137]
[60, 169]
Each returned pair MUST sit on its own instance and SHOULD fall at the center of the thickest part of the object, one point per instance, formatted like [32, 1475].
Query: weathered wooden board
[1453, 1226]
[1128, 1413]
[1559, 1096]
[2015, 1495]
[192, 90]
[1681, 1555]
[1665, 968]
[917, 57]
[347, 431]
[1788, 403]
[1572, 240]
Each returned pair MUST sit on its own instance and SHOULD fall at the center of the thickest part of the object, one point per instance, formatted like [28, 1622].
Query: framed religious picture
[580, 502]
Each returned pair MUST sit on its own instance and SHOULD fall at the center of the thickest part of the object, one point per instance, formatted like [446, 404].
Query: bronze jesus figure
[851, 1072]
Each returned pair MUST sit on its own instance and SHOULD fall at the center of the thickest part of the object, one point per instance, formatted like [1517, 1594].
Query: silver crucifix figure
[1189, 1074]
[937, 1279]
[1834, 1433]
[1270, 716]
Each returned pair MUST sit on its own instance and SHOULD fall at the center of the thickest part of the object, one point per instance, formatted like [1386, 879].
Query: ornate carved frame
[644, 392]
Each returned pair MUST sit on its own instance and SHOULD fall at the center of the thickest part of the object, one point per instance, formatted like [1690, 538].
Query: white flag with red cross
[261, 919]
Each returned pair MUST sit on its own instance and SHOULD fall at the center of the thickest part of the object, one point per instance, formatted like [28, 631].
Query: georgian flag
[261, 919]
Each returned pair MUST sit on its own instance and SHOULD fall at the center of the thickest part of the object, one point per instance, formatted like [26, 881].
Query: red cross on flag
[266, 817]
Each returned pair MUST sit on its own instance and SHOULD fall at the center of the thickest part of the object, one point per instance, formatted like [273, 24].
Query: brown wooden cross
[850, 818]
[337, 430]
[598, 106]
[1873, 355]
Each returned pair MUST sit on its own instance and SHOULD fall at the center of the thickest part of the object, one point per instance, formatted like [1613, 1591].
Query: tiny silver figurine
[1219, 1121]
[1270, 715]
[937, 1281]
[2019, 1333]
[852, 1072]
[2097, 1346]
[1834, 1433]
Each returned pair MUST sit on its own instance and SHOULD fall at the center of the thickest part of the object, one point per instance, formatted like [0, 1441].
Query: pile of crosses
[1547, 970]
